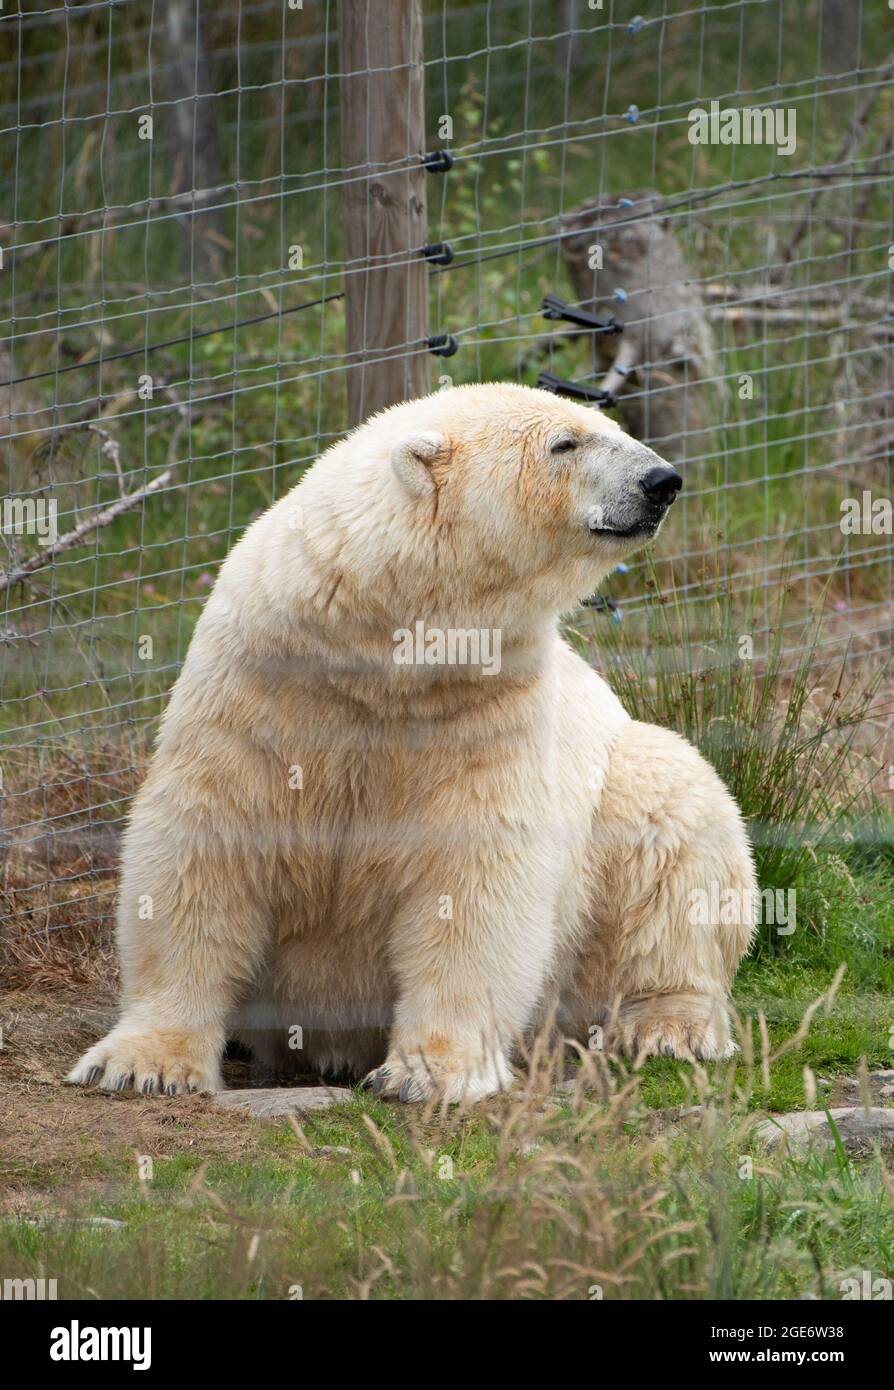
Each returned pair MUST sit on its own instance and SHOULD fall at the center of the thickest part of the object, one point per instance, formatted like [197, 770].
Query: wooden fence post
[196, 160]
[382, 142]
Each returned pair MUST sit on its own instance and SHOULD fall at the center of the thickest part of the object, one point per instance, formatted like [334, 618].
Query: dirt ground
[52, 1135]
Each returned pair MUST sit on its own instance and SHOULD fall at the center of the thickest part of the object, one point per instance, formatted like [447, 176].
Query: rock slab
[268, 1103]
[858, 1128]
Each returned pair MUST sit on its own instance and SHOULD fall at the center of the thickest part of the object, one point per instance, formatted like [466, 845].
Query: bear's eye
[563, 445]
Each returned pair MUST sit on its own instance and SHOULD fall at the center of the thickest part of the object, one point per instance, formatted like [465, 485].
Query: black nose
[661, 484]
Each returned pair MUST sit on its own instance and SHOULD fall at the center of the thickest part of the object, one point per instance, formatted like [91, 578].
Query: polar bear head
[492, 495]
[554, 464]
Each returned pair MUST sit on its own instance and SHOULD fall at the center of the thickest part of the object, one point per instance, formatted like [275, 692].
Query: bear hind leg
[672, 906]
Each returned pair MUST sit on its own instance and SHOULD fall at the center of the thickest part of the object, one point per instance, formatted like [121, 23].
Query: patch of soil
[56, 1140]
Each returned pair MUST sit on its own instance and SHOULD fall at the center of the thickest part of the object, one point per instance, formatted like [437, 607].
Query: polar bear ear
[411, 458]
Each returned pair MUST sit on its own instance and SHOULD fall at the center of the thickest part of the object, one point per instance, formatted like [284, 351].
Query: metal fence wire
[182, 227]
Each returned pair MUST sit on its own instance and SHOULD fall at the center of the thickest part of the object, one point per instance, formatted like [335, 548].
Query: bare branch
[84, 529]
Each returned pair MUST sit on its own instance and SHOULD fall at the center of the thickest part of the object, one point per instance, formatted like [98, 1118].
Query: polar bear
[393, 821]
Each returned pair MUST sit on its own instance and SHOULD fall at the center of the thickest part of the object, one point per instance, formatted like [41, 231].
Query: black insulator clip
[560, 387]
[444, 345]
[555, 308]
[439, 253]
[601, 602]
[437, 161]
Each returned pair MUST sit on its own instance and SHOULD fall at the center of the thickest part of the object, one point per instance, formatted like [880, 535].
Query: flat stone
[858, 1128]
[848, 1089]
[106, 1223]
[267, 1103]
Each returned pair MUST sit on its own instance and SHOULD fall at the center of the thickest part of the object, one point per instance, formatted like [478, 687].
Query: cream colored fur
[405, 867]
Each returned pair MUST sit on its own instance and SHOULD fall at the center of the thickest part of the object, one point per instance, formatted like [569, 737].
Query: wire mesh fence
[709, 182]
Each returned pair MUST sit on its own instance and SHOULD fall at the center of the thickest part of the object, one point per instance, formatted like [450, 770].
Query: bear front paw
[162, 1062]
[418, 1076]
[691, 1027]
